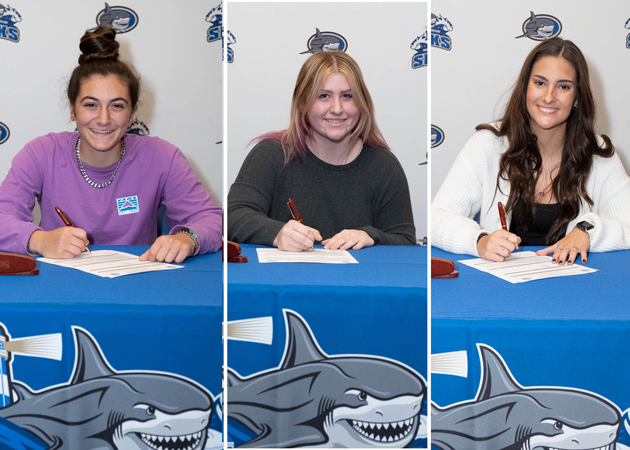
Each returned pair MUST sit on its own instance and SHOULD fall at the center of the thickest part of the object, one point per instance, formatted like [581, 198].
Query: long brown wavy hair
[521, 164]
[311, 78]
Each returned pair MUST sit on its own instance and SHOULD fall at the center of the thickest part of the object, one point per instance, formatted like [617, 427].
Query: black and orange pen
[296, 215]
[67, 222]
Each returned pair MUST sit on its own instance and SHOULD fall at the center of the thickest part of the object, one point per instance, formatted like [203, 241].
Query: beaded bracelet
[192, 235]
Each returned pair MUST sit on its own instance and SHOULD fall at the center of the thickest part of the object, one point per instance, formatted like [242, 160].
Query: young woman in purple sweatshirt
[109, 184]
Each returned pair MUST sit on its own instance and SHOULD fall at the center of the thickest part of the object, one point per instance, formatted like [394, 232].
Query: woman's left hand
[355, 239]
[170, 248]
[567, 248]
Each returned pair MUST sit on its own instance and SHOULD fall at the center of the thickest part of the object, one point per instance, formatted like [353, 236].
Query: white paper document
[109, 263]
[321, 256]
[526, 266]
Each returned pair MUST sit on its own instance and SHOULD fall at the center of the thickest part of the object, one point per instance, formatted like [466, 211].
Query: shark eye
[150, 410]
[558, 425]
[362, 396]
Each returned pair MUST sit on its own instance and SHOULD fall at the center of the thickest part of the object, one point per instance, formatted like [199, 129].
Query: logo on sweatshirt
[628, 37]
[540, 27]
[120, 18]
[421, 58]
[326, 41]
[4, 133]
[440, 25]
[127, 205]
[8, 18]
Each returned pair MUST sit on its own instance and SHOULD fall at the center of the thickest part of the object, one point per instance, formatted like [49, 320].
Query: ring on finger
[565, 248]
[502, 250]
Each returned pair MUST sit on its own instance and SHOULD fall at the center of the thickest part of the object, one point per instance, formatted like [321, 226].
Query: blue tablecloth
[377, 307]
[167, 322]
[567, 332]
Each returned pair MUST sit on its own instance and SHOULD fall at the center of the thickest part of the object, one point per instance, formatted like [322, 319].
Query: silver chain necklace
[84, 173]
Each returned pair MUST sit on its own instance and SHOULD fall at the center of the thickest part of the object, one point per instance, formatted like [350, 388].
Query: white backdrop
[269, 39]
[180, 73]
[472, 81]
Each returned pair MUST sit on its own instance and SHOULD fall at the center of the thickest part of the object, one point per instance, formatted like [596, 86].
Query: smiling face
[334, 115]
[102, 112]
[551, 94]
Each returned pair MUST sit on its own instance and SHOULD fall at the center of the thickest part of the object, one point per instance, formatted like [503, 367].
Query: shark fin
[22, 391]
[496, 378]
[435, 409]
[318, 33]
[301, 344]
[232, 378]
[89, 361]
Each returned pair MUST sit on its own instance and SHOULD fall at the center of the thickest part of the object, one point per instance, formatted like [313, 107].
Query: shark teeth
[605, 447]
[387, 431]
[181, 442]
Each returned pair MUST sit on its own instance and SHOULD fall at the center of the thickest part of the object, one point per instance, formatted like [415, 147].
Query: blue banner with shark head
[315, 398]
[126, 379]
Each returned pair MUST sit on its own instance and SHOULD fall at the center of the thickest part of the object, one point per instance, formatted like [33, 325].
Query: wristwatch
[585, 226]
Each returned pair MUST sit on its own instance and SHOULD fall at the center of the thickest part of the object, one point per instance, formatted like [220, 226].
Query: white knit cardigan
[470, 185]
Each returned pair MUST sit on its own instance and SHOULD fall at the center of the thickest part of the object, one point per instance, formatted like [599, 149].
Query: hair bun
[99, 44]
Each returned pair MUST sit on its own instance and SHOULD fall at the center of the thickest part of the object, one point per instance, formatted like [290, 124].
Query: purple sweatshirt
[153, 173]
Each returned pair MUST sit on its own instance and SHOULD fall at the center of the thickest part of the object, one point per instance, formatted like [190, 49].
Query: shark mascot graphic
[325, 43]
[440, 26]
[507, 416]
[419, 45]
[316, 400]
[120, 20]
[102, 409]
[539, 28]
[8, 18]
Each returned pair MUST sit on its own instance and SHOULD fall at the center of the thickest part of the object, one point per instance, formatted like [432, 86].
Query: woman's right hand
[62, 243]
[498, 245]
[295, 237]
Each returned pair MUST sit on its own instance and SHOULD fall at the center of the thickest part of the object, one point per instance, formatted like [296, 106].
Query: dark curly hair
[521, 164]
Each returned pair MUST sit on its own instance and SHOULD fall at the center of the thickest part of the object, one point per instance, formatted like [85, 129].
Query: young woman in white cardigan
[562, 186]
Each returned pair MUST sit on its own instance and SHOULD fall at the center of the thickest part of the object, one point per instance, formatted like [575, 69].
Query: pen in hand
[298, 218]
[67, 222]
[502, 217]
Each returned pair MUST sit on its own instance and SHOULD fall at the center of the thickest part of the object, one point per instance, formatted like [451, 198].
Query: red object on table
[443, 268]
[17, 265]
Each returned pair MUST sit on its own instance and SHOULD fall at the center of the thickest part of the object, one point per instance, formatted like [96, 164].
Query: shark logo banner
[440, 26]
[120, 18]
[541, 27]
[419, 45]
[326, 41]
[507, 416]
[313, 399]
[437, 136]
[5, 133]
[100, 408]
[8, 18]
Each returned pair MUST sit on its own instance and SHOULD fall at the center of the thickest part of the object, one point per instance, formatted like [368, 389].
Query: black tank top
[546, 215]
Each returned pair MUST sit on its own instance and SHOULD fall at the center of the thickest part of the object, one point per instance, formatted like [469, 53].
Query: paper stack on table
[109, 263]
[526, 266]
[321, 256]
